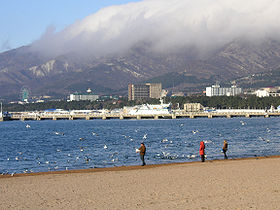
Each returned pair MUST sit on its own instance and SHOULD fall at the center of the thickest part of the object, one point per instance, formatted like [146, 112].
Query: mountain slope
[183, 70]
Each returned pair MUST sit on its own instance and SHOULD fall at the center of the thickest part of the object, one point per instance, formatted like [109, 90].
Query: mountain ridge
[108, 74]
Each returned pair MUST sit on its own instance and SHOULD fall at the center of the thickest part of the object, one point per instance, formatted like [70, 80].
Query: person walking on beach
[225, 148]
[201, 151]
[142, 151]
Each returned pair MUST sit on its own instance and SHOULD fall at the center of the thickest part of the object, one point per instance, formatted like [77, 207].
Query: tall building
[140, 91]
[217, 90]
[24, 94]
[155, 90]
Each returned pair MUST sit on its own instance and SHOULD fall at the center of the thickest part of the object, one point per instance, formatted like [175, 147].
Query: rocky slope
[182, 70]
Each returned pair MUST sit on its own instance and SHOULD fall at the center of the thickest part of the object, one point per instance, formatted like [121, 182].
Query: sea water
[36, 146]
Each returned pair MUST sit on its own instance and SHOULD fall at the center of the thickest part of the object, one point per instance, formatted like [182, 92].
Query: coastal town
[140, 104]
[138, 92]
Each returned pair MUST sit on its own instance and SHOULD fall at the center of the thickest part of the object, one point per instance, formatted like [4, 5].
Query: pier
[23, 116]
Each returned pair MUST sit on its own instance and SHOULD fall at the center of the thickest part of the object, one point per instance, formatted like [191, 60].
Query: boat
[150, 109]
[4, 116]
[1, 111]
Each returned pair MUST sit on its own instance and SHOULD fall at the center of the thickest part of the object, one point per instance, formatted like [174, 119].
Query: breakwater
[56, 116]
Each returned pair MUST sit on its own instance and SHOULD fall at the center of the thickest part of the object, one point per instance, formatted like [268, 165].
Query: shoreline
[246, 183]
[130, 168]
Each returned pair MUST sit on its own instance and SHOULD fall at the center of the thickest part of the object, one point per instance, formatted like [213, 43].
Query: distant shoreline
[133, 167]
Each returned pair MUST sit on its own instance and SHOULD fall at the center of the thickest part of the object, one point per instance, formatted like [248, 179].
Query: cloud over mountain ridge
[165, 25]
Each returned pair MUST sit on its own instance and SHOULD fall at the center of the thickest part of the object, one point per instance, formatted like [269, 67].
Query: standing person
[225, 148]
[201, 151]
[142, 151]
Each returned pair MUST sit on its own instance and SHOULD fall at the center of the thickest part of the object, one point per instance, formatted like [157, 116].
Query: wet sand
[252, 183]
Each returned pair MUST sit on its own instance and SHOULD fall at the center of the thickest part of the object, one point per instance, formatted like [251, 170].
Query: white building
[268, 91]
[262, 93]
[217, 90]
[84, 97]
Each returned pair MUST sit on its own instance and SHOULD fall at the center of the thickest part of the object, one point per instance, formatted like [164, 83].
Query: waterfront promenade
[57, 116]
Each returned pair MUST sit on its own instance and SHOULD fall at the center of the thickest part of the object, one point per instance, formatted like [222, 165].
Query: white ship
[1, 115]
[149, 109]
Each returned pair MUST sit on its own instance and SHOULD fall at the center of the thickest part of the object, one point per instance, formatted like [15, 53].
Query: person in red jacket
[201, 151]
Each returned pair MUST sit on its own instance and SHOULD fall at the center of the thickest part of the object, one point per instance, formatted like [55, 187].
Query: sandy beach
[232, 184]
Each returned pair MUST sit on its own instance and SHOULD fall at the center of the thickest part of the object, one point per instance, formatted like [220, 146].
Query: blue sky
[23, 21]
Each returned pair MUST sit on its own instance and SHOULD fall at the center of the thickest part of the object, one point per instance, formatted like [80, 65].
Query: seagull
[105, 146]
[194, 132]
[27, 126]
[145, 136]
[164, 140]
[93, 133]
[87, 160]
[181, 125]
[16, 158]
[58, 133]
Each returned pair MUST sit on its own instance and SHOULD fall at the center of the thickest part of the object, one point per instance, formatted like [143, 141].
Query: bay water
[37, 146]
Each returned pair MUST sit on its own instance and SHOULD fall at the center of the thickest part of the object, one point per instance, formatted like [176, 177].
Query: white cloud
[166, 25]
[5, 45]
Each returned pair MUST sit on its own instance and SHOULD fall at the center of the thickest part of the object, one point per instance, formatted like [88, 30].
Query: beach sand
[232, 184]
